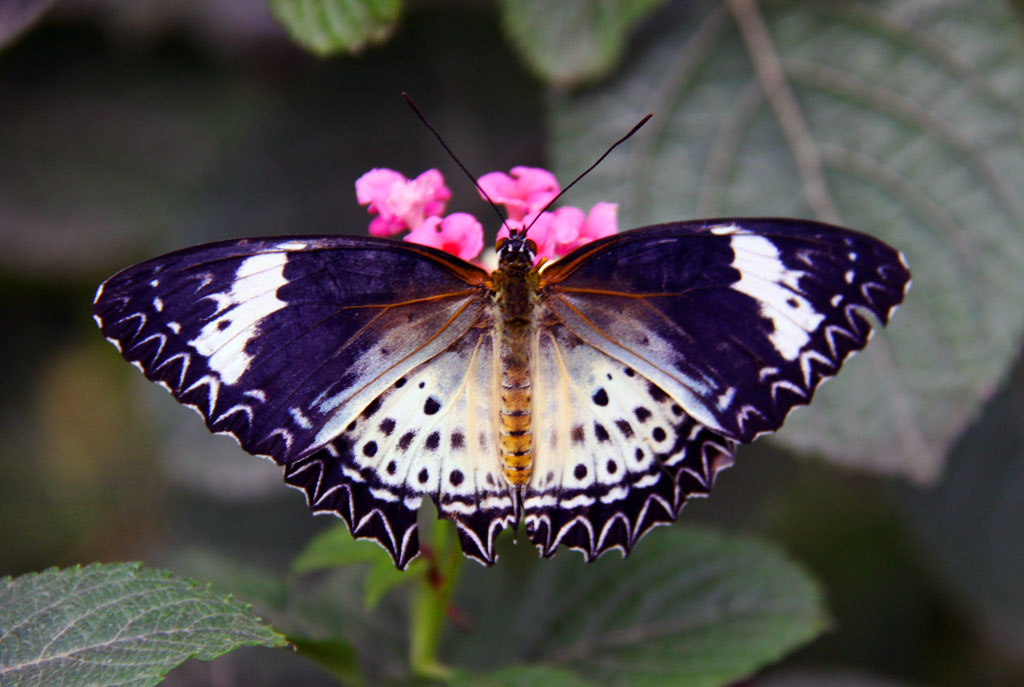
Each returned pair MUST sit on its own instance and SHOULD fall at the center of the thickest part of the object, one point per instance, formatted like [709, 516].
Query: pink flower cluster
[417, 205]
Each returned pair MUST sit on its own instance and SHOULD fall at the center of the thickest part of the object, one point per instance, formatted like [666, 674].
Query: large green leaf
[326, 27]
[689, 607]
[899, 118]
[115, 624]
[573, 40]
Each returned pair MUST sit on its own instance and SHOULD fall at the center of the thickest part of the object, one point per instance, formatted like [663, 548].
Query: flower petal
[373, 187]
[527, 191]
[459, 234]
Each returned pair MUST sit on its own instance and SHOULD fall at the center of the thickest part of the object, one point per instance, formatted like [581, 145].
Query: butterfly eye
[500, 244]
[531, 246]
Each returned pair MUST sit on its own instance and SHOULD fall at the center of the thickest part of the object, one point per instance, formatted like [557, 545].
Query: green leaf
[898, 118]
[384, 576]
[117, 623]
[336, 656]
[689, 606]
[335, 547]
[327, 27]
[520, 676]
[572, 41]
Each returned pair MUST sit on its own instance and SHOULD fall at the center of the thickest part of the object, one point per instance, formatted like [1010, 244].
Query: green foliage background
[128, 129]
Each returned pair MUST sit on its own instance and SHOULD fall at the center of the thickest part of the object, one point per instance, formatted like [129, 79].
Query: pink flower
[399, 203]
[562, 231]
[528, 193]
[417, 205]
[458, 233]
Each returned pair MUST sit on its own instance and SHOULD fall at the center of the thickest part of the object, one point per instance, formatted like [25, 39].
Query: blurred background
[128, 129]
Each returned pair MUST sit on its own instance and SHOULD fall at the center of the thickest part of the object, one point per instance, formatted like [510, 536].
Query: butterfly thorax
[515, 285]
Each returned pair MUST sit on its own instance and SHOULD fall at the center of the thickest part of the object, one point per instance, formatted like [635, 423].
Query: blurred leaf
[18, 15]
[384, 576]
[335, 547]
[689, 607]
[244, 580]
[572, 41]
[326, 27]
[107, 160]
[972, 524]
[336, 656]
[115, 624]
[904, 120]
[324, 609]
[520, 676]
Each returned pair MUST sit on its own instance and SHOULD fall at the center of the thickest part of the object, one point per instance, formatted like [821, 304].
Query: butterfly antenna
[452, 155]
[588, 169]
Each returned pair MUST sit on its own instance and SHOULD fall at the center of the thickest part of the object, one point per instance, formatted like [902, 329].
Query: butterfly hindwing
[738, 320]
[614, 455]
[431, 434]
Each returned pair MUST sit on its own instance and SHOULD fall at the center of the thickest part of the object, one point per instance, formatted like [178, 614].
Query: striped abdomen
[516, 439]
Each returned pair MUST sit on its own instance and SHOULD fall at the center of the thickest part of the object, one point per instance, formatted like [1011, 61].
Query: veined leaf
[115, 624]
[690, 606]
[900, 119]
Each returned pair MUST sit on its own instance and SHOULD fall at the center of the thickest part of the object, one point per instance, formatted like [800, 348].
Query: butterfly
[587, 399]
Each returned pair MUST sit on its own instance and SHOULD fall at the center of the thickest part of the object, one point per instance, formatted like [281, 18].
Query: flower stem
[430, 597]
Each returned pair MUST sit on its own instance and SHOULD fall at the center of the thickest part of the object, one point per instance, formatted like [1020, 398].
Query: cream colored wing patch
[614, 454]
[432, 433]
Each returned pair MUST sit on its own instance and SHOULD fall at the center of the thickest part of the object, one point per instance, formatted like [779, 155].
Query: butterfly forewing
[283, 342]
[737, 320]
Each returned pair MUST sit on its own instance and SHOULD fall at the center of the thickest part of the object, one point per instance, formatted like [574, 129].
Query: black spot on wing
[625, 428]
[577, 434]
[406, 440]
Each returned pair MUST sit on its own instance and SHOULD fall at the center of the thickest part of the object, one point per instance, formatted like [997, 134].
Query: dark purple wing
[738, 320]
[284, 342]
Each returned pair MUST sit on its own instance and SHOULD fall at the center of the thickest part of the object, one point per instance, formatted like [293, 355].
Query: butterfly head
[516, 250]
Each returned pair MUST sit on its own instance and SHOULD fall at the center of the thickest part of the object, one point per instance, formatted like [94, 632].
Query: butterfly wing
[737, 320]
[431, 433]
[614, 454]
[287, 343]
[660, 348]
